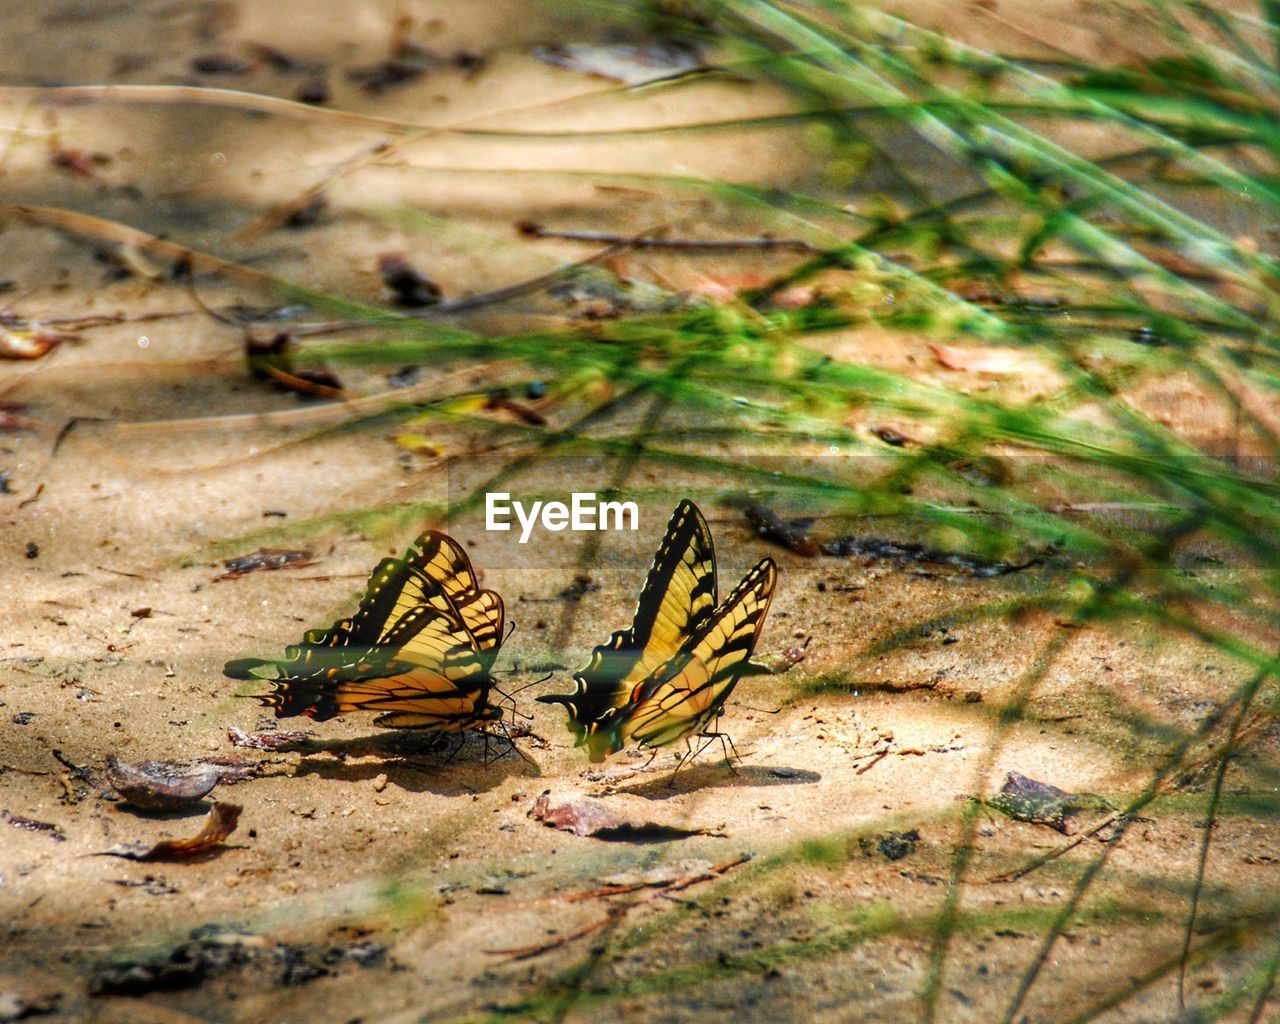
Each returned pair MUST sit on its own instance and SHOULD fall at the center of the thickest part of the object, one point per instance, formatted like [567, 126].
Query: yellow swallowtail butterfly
[419, 648]
[669, 674]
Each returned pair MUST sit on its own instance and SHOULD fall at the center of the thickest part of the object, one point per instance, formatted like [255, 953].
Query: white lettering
[492, 510]
[555, 516]
[526, 523]
[619, 508]
[582, 513]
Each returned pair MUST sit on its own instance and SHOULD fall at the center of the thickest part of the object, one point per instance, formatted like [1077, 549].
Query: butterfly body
[418, 650]
[669, 674]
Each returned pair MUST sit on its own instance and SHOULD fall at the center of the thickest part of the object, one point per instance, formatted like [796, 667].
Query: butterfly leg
[688, 756]
[514, 746]
[726, 745]
[457, 748]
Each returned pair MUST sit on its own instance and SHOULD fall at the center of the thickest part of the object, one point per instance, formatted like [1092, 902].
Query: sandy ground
[378, 878]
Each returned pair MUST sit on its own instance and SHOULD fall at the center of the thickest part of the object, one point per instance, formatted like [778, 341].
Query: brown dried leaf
[264, 558]
[220, 823]
[26, 344]
[161, 785]
[584, 816]
[792, 534]
[267, 740]
[1039, 803]
[32, 825]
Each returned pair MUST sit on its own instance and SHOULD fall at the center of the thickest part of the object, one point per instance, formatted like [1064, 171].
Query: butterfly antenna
[763, 711]
[534, 682]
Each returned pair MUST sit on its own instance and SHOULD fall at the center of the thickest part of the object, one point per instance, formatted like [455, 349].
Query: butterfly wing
[429, 674]
[319, 651]
[690, 690]
[418, 649]
[678, 598]
[440, 558]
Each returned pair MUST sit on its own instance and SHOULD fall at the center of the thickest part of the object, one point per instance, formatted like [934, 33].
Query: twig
[766, 242]
[525, 952]
[1041, 861]
[616, 913]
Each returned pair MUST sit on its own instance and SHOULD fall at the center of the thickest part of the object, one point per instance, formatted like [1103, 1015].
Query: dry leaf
[32, 825]
[1040, 803]
[24, 344]
[220, 823]
[267, 740]
[585, 816]
[989, 362]
[161, 785]
[264, 558]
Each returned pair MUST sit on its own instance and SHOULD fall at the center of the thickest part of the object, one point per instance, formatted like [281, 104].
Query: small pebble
[380, 783]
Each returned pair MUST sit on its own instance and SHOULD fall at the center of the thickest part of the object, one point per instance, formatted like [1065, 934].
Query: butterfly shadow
[720, 776]
[441, 763]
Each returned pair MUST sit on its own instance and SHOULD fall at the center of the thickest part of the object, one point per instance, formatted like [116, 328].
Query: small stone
[380, 783]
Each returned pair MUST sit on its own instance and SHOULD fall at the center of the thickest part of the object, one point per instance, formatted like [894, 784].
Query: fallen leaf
[161, 785]
[792, 534]
[26, 344]
[989, 362]
[267, 740]
[585, 816]
[31, 825]
[220, 823]
[1039, 803]
[630, 63]
[264, 558]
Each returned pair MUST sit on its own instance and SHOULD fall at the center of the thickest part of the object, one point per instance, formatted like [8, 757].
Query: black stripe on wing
[678, 597]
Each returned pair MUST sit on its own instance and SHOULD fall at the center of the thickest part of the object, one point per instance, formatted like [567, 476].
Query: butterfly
[419, 648]
[669, 674]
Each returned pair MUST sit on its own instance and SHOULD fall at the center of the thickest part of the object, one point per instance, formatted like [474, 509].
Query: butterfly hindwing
[481, 610]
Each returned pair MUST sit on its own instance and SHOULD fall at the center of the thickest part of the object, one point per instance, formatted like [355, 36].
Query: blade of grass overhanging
[1215, 795]
[1243, 698]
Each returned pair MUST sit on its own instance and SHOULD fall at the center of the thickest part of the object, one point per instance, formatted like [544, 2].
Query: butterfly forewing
[690, 690]
[438, 560]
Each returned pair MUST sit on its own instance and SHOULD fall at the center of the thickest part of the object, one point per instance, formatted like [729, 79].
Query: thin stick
[695, 244]
[525, 952]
